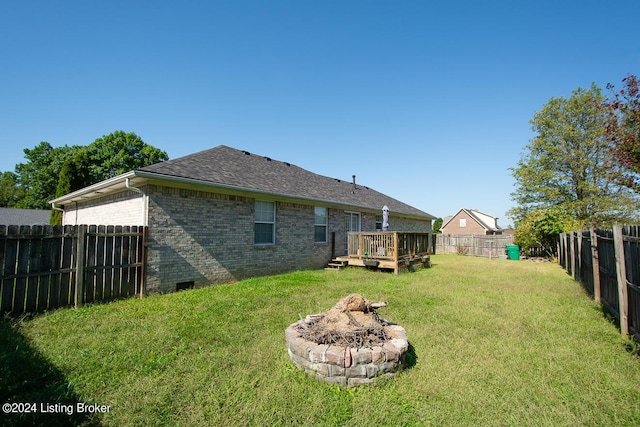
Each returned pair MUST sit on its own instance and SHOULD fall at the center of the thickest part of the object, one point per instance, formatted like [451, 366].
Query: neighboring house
[14, 216]
[223, 214]
[470, 222]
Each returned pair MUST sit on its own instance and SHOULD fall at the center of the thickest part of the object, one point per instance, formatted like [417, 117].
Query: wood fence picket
[46, 267]
[607, 263]
[489, 246]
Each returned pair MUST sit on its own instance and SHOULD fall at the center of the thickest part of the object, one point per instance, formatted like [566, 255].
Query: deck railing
[388, 245]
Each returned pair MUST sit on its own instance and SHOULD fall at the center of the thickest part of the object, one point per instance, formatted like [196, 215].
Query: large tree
[120, 152]
[10, 192]
[51, 172]
[38, 176]
[623, 128]
[568, 164]
[74, 175]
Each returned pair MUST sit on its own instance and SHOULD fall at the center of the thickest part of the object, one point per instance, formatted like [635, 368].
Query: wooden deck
[392, 250]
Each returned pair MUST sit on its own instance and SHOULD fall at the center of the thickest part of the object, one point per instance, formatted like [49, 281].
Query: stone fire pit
[349, 344]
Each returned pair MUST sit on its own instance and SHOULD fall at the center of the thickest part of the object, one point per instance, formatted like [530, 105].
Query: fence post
[623, 302]
[561, 250]
[597, 296]
[80, 261]
[580, 260]
[144, 255]
[572, 252]
[473, 245]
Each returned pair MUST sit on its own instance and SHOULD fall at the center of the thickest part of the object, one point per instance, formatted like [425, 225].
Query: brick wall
[208, 238]
[472, 226]
[123, 208]
[410, 225]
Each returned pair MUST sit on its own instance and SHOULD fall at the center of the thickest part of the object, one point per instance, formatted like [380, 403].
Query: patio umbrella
[385, 218]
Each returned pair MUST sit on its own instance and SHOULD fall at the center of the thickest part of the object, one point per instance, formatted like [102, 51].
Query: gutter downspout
[54, 207]
[145, 217]
[145, 223]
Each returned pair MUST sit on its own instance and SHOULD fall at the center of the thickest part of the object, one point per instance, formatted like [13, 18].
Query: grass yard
[498, 343]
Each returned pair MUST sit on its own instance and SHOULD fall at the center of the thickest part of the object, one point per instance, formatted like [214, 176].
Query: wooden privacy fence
[491, 246]
[607, 263]
[46, 267]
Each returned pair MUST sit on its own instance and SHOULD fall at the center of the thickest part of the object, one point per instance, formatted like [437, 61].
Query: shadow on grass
[410, 357]
[633, 344]
[32, 384]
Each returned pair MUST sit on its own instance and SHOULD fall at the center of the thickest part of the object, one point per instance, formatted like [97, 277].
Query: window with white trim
[265, 223]
[320, 225]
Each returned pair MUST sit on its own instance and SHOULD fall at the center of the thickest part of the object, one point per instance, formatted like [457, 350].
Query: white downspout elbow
[145, 207]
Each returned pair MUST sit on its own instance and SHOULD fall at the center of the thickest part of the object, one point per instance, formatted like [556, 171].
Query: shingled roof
[486, 221]
[232, 168]
[13, 216]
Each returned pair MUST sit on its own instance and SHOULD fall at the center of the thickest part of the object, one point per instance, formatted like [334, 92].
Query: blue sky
[428, 102]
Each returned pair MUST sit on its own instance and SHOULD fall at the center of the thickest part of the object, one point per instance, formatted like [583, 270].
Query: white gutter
[92, 188]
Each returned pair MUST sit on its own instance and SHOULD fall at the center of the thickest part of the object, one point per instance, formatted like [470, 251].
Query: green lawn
[498, 343]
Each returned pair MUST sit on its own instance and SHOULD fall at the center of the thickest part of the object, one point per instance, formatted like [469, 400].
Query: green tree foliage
[52, 172]
[542, 227]
[623, 129]
[38, 177]
[74, 175]
[568, 164]
[118, 153]
[10, 192]
[437, 225]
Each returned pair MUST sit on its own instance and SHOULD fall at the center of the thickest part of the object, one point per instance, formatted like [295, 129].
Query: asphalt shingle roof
[236, 168]
[14, 216]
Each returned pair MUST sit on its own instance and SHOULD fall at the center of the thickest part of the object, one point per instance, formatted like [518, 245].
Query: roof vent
[288, 164]
[268, 159]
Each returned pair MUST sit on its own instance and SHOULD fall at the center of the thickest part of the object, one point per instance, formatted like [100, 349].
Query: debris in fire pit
[347, 345]
[352, 322]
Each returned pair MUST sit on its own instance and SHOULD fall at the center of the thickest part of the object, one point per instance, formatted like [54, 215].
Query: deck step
[336, 264]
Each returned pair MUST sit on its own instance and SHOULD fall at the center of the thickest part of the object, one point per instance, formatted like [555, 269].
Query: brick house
[471, 222]
[224, 214]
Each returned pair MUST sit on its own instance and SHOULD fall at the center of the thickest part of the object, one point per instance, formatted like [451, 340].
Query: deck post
[396, 269]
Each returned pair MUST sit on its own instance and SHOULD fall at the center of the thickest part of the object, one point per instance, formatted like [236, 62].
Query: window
[463, 222]
[378, 222]
[265, 223]
[320, 225]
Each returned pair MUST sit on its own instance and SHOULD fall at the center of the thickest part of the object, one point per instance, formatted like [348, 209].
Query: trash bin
[513, 252]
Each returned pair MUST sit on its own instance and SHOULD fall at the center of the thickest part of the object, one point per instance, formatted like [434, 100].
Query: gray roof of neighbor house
[237, 170]
[14, 216]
